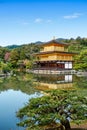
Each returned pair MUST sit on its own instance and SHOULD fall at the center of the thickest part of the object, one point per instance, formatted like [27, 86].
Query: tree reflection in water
[22, 82]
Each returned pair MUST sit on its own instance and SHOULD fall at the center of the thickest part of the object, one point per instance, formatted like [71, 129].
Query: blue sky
[26, 21]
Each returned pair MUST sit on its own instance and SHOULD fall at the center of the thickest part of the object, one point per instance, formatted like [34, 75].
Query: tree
[81, 60]
[5, 67]
[3, 52]
[78, 39]
[7, 56]
[29, 64]
[14, 57]
[57, 107]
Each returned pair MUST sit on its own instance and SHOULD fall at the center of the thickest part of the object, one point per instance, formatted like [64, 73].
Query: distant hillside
[12, 46]
[60, 39]
[38, 42]
[17, 46]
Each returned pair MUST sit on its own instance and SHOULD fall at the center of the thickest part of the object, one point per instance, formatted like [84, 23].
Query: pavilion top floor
[53, 45]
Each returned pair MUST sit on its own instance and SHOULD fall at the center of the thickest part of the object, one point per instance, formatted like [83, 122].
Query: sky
[27, 21]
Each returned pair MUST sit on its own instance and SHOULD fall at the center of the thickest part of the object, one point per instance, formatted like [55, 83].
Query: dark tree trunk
[60, 127]
[66, 124]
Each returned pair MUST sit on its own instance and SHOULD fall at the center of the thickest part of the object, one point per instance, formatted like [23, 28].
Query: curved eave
[54, 42]
[53, 61]
[51, 52]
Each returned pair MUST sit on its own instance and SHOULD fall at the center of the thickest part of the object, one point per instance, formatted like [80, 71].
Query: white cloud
[38, 20]
[49, 21]
[73, 16]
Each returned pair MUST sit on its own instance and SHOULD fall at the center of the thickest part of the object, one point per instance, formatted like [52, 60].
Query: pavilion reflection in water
[46, 82]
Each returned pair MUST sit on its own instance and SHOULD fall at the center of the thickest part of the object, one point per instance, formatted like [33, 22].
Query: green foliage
[81, 60]
[58, 106]
[77, 45]
[25, 52]
[29, 65]
[14, 57]
[2, 52]
[19, 53]
[5, 67]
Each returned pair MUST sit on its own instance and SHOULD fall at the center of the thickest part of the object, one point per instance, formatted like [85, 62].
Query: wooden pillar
[56, 66]
[48, 65]
[64, 65]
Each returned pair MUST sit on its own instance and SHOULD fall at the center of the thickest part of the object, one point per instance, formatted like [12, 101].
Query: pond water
[46, 82]
[14, 94]
[16, 91]
[10, 102]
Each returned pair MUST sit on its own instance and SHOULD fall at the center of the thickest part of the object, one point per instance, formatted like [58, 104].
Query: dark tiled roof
[55, 42]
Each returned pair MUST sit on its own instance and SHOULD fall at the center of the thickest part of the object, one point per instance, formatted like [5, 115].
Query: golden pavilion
[54, 55]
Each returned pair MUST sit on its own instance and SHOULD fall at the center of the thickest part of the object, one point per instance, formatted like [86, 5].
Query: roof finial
[53, 37]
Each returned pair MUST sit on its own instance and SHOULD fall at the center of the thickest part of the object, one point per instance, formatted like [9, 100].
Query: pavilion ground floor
[54, 65]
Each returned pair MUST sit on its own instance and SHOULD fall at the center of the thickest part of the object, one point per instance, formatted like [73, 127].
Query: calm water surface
[14, 94]
[16, 91]
[10, 102]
